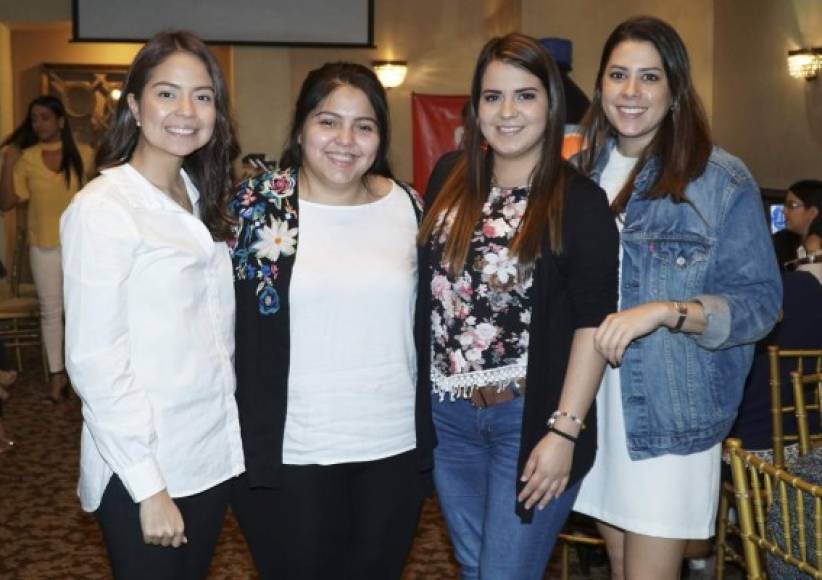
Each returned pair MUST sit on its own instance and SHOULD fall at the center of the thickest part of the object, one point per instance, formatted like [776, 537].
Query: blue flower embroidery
[269, 300]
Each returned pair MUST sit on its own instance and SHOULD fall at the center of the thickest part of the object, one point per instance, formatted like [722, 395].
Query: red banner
[436, 129]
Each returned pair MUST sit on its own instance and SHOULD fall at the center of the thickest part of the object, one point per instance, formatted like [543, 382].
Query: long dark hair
[209, 167]
[683, 141]
[24, 136]
[320, 83]
[466, 189]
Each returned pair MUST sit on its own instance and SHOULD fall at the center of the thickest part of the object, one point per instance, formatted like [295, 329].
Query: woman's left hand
[620, 329]
[546, 471]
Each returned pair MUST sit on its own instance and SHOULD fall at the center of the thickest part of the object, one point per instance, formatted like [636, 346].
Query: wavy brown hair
[466, 188]
[683, 141]
[210, 166]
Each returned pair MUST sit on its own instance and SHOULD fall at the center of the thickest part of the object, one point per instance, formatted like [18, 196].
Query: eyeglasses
[794, 204]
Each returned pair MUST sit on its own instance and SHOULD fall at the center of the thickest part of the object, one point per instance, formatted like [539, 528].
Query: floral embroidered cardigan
[267, 240]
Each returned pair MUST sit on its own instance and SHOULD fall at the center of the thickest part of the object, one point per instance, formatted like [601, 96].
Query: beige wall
[6, 82]
[770, 120]
[587, 23]
[262, 81]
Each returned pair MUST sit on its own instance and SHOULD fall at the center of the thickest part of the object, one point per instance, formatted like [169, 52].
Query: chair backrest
[800, 383]
[801, 361]
[798, 541]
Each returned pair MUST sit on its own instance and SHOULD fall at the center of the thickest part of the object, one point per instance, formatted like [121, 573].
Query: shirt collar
[142, 193]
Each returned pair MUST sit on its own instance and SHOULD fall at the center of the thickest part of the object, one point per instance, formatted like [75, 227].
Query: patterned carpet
[44, 535]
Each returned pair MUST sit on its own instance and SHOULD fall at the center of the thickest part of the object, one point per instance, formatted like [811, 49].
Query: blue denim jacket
[680, 392]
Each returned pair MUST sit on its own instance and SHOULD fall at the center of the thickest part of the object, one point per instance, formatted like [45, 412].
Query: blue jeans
[475, 472]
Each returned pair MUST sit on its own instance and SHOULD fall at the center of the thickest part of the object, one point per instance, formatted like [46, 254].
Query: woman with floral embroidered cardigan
[326, 279]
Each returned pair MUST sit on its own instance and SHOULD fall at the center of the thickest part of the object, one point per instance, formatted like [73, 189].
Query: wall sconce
[805, 63]
[390, 72]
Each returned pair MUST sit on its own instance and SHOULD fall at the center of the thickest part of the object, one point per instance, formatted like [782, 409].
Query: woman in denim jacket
[699, 286]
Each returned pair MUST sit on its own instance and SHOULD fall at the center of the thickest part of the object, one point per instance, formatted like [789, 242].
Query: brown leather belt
[490, 395]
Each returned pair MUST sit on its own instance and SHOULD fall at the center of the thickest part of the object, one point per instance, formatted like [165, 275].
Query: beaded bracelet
[562, 434]
[557, 414]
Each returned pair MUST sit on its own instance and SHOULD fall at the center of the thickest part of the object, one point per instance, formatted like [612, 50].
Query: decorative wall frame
[89, 93]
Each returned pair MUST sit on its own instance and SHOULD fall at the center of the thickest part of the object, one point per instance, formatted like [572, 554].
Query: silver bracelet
[557, 414]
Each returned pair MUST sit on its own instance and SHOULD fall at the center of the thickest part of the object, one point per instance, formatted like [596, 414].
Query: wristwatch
[681, 309]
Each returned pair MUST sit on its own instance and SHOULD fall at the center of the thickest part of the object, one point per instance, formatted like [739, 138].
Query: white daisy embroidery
[275, 240]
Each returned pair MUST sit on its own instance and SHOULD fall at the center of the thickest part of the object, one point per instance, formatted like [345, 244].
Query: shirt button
[680, 261]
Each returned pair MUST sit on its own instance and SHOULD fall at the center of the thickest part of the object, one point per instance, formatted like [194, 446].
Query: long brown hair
[209, 167]
[466, 188]
[683, 141]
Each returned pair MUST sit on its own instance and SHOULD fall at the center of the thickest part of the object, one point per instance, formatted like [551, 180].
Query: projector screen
[278, 22]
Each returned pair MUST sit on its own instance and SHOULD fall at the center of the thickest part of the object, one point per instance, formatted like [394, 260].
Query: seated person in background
[800, 327]
[803, 205]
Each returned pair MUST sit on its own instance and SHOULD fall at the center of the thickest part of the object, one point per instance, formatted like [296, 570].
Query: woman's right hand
[161, 521]
[620, 329]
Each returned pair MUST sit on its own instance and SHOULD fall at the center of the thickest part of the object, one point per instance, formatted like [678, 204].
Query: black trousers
[132, 559]
[352, 521]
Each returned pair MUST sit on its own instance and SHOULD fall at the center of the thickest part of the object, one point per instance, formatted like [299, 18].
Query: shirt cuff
[718, 316]
[143, 479]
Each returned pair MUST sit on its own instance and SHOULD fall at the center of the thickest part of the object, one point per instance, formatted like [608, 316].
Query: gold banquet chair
[576, 532]
[803, 361]
[757, 484]
[798, 359]
[19, 313]
[807, 437]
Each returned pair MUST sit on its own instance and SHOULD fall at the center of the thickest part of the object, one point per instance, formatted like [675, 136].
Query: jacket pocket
[676, 267]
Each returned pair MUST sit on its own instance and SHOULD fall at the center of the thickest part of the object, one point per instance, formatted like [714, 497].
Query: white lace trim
[462, 386]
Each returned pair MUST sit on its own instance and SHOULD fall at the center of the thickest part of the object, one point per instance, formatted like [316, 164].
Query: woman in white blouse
[150, 316]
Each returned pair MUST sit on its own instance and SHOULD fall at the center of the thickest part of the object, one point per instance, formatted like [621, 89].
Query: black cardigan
[575, 289]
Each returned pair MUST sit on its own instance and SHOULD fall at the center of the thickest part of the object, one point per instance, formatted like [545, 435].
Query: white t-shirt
[351, 384]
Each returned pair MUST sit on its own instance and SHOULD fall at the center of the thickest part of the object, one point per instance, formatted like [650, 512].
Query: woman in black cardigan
[518, 266]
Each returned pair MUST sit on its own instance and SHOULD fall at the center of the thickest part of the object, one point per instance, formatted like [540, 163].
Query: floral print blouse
[480, 319]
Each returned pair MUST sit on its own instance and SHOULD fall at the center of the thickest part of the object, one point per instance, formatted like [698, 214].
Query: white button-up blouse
[149, 304]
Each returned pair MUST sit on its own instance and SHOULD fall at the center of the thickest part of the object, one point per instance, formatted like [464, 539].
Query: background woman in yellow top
[48, 169]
